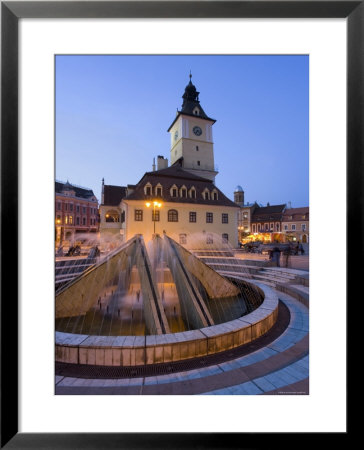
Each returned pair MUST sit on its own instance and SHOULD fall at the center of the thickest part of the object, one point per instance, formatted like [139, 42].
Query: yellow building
[180, 200]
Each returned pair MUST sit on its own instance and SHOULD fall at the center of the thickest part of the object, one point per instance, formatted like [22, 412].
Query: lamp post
[155, 205]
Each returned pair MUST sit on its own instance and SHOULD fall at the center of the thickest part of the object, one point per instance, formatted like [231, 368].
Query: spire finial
[190, 75]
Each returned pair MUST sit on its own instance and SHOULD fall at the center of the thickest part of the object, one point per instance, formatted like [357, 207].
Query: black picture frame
[11, 12]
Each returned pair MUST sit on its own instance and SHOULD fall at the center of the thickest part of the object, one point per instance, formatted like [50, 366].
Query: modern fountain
[147, 305]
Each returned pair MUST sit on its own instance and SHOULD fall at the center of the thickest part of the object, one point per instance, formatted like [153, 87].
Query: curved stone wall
[141, 350]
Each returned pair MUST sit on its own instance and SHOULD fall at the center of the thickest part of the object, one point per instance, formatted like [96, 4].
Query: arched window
[172, 215]
[112, 216]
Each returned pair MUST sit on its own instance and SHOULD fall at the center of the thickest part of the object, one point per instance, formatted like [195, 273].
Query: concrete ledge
[154, 349]
[298, 294]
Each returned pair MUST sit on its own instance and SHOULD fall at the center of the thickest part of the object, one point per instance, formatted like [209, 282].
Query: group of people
[275, 253]
[75, 250]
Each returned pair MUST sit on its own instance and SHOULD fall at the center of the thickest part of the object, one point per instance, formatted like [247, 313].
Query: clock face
[197, 131]
[175, 135]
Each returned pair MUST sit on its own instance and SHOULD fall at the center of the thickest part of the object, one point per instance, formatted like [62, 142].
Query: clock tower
[191, 136]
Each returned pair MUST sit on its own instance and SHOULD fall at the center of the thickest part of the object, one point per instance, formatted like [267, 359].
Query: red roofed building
[295, 224]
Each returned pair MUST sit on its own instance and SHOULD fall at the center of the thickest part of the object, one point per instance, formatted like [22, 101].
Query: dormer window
[196, 111]
[214, 195]
[206, 194]
[192, 192]
[174, 191]
[183, 192]
[148, 189]
[158, 190]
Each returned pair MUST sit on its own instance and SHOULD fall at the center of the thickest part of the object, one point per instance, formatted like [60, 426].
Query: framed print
[138, 288]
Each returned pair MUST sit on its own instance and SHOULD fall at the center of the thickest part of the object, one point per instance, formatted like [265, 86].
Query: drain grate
[87, 371]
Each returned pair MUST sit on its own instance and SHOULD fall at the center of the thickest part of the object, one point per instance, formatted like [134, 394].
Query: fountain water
[161, 289]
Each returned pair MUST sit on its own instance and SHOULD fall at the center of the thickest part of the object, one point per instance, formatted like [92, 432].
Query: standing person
[287, 253]
[301, 249]
[276, 255]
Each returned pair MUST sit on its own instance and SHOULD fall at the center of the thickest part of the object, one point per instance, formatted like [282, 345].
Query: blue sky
[113, 112]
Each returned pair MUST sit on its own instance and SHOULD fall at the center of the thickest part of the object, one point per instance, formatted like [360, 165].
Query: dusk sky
[113, 112]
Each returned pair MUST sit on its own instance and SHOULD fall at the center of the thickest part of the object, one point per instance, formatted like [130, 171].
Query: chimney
[153, 165]
[162, 163]
[102, 192]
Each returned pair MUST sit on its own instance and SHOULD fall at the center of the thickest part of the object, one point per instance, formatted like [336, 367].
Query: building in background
[111, 214]
[295, 224]
[76, 212]
[266, 223]
[244, 215]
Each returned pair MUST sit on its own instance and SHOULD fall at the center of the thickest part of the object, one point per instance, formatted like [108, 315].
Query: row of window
[209, 238]
[70, 207]
[182, 192]
[293, 227]
[68, 220]
[271, 228]
[173, 216]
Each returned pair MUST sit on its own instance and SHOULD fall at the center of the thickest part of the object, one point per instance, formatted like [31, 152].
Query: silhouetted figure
[276, 254]
[71, 251]
[287, 253]
[77, 250]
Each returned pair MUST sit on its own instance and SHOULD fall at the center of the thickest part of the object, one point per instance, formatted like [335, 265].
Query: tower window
[196, 148]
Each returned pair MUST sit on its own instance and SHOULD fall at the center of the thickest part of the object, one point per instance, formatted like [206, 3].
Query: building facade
[76, 212]
[266, 223]
[295, 224]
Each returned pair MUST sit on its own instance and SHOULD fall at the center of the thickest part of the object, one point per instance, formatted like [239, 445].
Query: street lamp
[155, 205]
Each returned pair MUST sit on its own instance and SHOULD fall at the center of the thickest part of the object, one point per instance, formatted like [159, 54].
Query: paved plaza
[275, 364]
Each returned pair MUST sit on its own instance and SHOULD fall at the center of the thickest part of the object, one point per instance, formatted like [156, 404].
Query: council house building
[182, 199]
